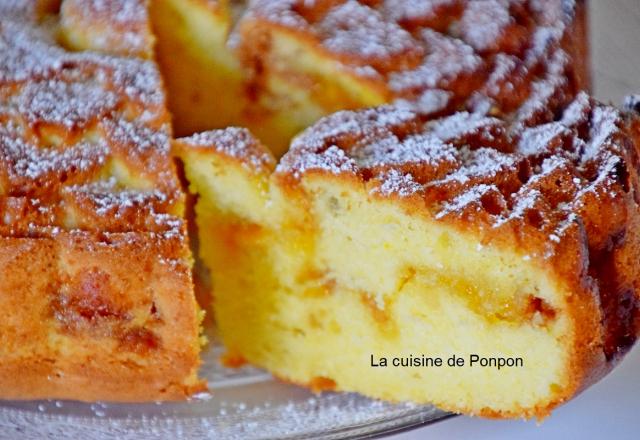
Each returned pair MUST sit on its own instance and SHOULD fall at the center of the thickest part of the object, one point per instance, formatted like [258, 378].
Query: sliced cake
[381, 236]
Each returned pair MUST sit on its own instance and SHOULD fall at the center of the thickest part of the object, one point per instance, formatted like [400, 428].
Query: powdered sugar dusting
[394, 182]
[26, 164]
[504, 67]
[58, 102]
[138, 137]
[27, 52]
[483, 162]
[67, 128]
[461, 202]
[606, 122]
[234, 142]
[415, 149]
[118, 11]
[544, 91]
[463, 124]
[428, 102]
[448, 59]
[415, 10]
[345, 123]
[122, 25]
[535, 140]
[332, 160]
[527, 199]
[484, 53]
[484, 22]
[537, 177]
[356, 30]
[578, 112]
[281, 12]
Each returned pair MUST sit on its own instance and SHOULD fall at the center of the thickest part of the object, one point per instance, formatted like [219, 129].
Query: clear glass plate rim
[418, 417]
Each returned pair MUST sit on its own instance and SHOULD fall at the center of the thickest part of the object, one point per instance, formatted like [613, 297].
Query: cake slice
[95, 280]
[511, 244]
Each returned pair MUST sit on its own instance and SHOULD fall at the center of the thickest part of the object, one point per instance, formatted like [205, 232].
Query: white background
[610, 409]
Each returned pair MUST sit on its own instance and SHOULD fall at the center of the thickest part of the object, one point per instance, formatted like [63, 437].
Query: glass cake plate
[247, 403]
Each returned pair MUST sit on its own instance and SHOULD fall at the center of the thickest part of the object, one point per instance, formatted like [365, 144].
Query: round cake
[454, 222]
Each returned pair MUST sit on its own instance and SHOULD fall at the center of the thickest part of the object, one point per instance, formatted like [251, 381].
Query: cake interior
[318, 283]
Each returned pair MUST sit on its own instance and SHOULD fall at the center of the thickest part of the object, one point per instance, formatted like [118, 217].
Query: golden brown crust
[235, 144]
